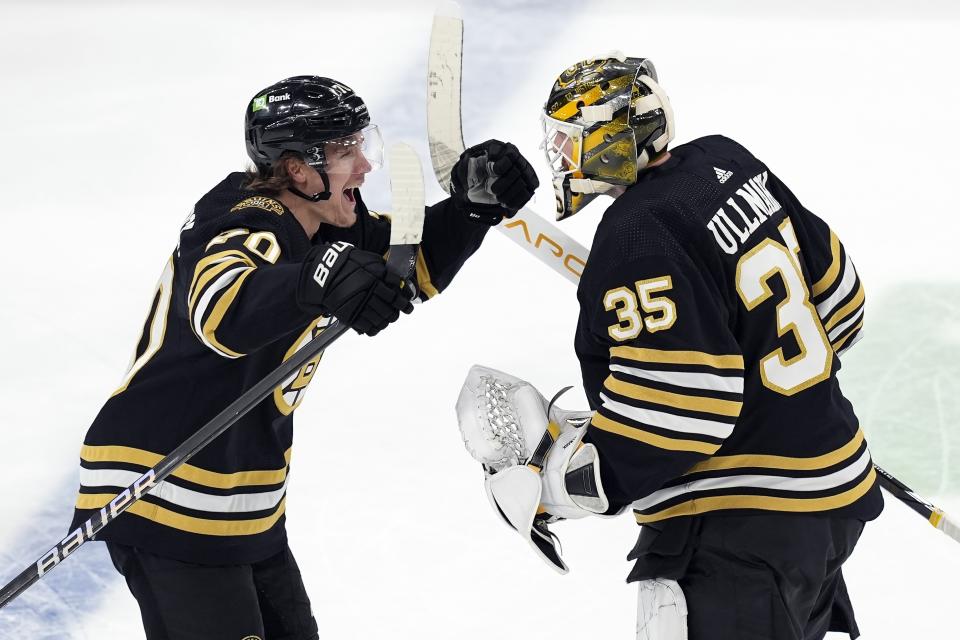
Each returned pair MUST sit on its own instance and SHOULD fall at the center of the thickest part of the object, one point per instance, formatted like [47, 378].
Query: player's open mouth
[349, 196]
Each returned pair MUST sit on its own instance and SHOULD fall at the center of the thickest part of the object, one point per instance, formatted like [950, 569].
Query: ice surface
[118, 116]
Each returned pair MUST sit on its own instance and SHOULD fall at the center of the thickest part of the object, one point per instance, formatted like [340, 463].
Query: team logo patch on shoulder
[259, 202]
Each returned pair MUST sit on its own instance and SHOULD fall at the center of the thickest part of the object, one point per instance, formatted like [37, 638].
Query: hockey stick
[935, 516]
[406, 177]
[564, 254]
[531, 231]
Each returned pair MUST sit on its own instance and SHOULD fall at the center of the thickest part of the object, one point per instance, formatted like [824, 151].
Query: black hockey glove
[352, 285]
[492, 181]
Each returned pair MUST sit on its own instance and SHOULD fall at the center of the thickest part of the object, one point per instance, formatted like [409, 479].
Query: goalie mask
[603, 122]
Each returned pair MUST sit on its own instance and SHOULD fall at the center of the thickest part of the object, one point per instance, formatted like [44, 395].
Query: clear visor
[562, 145]
[359, 152]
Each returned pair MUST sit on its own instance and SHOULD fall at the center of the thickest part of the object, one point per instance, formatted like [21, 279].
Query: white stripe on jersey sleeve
[222, 282]
[780, 483]
[846, 324]
[681, 424]
[706, 381]
[846, 286]
[187, 498]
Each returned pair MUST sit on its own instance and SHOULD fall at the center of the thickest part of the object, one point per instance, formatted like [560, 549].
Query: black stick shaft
[906, 495]
[204, 436]
[401, 260]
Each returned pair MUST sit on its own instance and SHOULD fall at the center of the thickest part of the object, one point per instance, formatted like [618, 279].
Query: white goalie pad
[661, 610]
[538, 468]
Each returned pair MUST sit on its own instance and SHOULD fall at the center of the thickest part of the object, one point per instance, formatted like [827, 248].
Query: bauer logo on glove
[538, 470]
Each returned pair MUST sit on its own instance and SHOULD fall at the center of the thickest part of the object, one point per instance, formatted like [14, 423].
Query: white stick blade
[407, 193]
[444, 67]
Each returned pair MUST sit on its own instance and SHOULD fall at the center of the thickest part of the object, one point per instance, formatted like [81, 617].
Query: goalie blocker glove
[352, 285]
[492, 181]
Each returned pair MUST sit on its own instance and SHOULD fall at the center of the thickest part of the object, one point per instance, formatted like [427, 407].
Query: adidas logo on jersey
[722, 175]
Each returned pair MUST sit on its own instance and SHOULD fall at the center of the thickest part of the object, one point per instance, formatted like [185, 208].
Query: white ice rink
[118, 116]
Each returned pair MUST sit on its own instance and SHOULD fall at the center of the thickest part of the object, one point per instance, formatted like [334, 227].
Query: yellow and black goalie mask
[603, 122]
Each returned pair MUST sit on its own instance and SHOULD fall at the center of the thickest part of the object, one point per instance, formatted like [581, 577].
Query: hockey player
[714, 309]
[264, 261]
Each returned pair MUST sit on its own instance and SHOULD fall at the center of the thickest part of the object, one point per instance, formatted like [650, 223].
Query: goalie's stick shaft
[934, 515]
[535, 234]
[407, 186]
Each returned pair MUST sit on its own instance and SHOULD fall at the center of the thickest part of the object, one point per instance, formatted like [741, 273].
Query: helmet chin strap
[317, 197]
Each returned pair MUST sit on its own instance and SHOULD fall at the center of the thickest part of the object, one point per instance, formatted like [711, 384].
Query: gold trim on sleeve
[423, 276]
[604, 423]
[677, 400]
[678, 357]
[833, 271]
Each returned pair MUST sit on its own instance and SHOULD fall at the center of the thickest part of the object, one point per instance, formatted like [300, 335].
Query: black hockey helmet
[304, 114]
[297, 114]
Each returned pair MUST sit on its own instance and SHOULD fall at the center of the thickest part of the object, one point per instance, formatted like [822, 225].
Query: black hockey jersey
[223, 316]
[714, 309]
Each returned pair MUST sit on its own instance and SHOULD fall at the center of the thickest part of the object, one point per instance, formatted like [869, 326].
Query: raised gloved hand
[352, 285]
[492, 181]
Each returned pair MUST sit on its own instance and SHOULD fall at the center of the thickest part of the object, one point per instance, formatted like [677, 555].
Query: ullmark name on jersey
[758, 199]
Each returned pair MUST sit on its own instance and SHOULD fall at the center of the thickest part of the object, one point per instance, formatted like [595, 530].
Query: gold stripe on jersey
[210, 267]
[191, 524]
[846, 310]
[204, 279]
[676, 400]
[604, 423]
[700, 505]
[836, 456]
[213, 320]
[833, 271]
[423, 276]
[839, 344]
[678, 357]
[188, 472]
